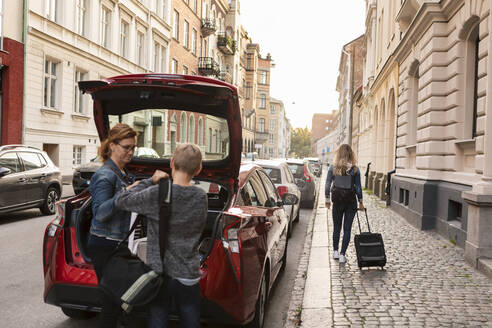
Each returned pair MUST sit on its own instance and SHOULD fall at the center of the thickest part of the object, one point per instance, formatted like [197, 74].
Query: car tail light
[52, 231]
[282, 190]
[306, 175]
[232, 246]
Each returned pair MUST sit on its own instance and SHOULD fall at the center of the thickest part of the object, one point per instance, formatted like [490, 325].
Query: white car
[284, 181]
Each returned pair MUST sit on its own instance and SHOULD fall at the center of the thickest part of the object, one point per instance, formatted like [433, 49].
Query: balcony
[226, 44]
[208, 66]
[261, 137]
[208, 27]
[407, 12]
[225, 76]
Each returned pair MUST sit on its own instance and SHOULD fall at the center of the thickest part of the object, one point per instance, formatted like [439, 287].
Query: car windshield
[274, 174]
[159, 131]
[297, 170]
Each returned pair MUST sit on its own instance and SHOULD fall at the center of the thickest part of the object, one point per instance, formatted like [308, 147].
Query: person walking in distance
[185, 226]
[343, 183]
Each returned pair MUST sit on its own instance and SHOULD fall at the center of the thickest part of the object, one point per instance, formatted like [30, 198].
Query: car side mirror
[4, 171]
[289, 199]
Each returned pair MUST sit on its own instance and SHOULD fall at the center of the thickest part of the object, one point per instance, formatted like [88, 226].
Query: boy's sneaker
[335, 255]
[342, 258]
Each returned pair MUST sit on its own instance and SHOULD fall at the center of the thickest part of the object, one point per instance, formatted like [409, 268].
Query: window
[185, 70]
[140, 48]
[259, 190]
[272, 108]
[248, 65]
[262, 125]
[209, 140]
[176, 25]
[476, 42]
[269, 187]
[124, 39]
[248, 90]
[262, 101]
[271, 137]
[263, 77]
[200, 131]
[79, 99]
[193, 42]
[31, 161]
[272, 125]
[191, 130]
[80, 16]
[216, 141]
[50, 83]
[157, 54]
[174, 66]
[77, 155]
[10, 161]
[186, 34]
[105, 27]
[182, 127]
[249, 196]
[194, 5]
[50, 9]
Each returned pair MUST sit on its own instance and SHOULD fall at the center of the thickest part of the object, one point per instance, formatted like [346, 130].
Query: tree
[300, 142]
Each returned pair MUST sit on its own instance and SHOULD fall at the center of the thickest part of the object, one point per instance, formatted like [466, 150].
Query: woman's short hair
[187, 158]
[117, 133]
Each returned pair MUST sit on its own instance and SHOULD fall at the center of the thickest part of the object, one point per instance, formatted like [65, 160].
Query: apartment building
[70, 41]
[263, 135]
[247, 90]
[321, 125]
[443, 178]
[12, 63]
[279, 133]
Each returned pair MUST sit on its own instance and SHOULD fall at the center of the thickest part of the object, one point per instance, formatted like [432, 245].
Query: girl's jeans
[343, 213]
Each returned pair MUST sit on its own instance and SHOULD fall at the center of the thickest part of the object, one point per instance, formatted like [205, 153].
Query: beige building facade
[443, 177]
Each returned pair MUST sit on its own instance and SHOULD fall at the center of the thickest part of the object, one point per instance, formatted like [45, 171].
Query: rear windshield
[159, 131]
[297, 170]
[274, 174]
[313, 166]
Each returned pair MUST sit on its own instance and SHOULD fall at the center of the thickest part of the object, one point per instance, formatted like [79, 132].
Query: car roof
[20, 147]
[270, 163]
[295, 161]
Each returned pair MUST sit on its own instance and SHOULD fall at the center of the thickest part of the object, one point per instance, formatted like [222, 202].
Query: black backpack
[343, 189]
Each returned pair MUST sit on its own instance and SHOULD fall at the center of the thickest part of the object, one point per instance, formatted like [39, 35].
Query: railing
[208, 26]
[208, 66]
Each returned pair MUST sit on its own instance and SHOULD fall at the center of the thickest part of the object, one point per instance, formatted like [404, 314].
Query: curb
[297, 295]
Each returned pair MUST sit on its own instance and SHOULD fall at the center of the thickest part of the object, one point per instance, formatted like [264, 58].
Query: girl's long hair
[119, 132]
[345, 158]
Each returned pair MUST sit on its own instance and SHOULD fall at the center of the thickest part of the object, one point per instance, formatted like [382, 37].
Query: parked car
[145, 152]
[28, 178]
[82, 174]
[243, 248]
[282, 177]
[314, 165]
[305, 180]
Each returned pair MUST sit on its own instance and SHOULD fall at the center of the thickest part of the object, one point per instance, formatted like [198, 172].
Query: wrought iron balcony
[208, 27]
[208, 66]
[226, 44]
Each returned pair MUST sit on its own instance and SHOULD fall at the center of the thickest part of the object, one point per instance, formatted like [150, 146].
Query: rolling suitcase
[369, 247]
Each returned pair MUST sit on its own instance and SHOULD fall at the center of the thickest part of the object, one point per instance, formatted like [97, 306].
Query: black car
[28, 178]
[83, 173]
[305, 179]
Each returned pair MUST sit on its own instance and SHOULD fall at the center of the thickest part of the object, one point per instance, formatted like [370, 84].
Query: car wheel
[78, 314]
[50, 199]
[260, 305]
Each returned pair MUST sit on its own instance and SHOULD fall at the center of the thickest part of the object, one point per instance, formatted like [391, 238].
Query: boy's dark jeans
[186, 298]
[343, 213]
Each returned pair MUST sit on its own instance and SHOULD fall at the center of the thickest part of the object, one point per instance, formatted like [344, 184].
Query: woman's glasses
[127, 148]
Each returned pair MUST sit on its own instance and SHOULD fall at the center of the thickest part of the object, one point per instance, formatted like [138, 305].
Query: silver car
[282, 178]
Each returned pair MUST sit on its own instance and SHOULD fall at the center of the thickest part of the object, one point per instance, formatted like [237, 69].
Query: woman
[109, 226]
[343, 172]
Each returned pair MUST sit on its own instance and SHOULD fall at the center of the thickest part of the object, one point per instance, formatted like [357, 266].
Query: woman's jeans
[186, 299]
[343, 213]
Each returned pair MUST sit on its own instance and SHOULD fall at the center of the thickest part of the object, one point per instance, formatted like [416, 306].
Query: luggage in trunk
[369, 247]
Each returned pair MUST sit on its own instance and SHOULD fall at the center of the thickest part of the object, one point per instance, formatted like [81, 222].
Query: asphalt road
[21, 272]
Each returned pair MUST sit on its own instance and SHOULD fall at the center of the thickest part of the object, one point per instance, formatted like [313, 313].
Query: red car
[244, 245]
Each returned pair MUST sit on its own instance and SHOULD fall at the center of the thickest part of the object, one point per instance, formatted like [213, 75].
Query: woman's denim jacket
[107, 221]
[331, 176]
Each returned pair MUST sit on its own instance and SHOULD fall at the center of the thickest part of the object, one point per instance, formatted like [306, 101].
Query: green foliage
[300, 144]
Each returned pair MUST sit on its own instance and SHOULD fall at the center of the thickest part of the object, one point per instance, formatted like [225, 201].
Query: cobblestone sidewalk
[426, 282]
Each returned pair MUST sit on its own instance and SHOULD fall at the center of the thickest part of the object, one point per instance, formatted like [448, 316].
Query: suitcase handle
[367, 220]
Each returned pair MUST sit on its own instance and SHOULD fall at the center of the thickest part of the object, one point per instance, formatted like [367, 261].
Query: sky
[305, 39]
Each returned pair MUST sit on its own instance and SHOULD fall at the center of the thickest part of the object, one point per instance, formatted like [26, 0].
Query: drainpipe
[24, 41]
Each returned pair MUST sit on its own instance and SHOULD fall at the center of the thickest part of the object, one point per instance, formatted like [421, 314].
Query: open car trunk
[81, 217]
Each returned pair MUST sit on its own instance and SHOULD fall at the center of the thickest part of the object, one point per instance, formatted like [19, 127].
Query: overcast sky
[305, 39]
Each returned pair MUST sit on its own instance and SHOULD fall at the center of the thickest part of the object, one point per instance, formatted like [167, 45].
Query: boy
[187, 221]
